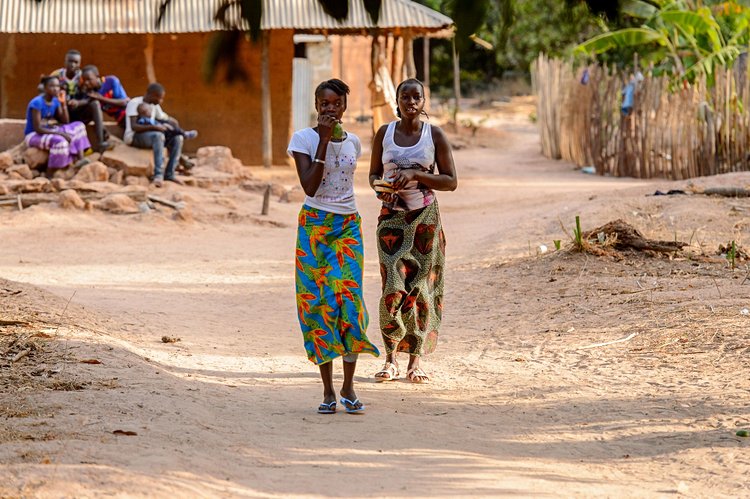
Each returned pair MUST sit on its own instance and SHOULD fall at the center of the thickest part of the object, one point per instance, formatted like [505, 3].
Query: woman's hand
[65, 136]
[403, 177]
[61, 96]
[387, 197]
[325, 126]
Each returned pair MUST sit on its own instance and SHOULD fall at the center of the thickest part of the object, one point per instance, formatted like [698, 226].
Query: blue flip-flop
[351, 406]
[327, 408]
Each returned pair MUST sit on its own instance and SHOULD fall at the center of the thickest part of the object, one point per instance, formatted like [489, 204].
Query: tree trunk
[148, 54]
[409, 68]
[456, 82]
[426, 70]
[266, 101]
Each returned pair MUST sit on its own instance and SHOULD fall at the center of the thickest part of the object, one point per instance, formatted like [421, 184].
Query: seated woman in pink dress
[66, 142]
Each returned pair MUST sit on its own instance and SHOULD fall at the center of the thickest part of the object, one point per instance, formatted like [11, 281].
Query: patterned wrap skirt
[61, 152]
[411, 247]
[330, 306]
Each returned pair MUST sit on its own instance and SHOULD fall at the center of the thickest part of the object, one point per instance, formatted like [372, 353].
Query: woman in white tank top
[411, 244]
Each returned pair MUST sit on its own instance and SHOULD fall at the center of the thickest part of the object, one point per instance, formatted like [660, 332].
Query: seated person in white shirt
[155, 133]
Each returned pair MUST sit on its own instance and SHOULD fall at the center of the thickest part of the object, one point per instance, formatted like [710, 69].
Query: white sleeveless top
[395, 158]
[336, 191]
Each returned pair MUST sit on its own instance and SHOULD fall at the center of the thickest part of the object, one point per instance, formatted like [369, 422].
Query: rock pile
[118, 182]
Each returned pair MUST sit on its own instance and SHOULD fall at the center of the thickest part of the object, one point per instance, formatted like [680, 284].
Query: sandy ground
[521, 402]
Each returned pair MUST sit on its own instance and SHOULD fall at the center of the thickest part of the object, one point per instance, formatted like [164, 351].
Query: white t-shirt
[132, 110]
[336, 191]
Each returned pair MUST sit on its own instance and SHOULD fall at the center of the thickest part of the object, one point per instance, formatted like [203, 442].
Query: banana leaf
[706, 65]
[628, 37]
[638, 9]
[693, 21]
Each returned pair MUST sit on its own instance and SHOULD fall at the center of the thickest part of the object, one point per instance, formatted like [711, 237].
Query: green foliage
[638, 9]
[578, 235]
[518, 29]
[469, 16]
[682, 38]
[627, 37]
[732, 255]
[547, 26]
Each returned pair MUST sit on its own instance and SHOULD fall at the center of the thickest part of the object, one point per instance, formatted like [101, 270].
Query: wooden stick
[731, 192]
[266, 199]
[20, 355]
[12, 322]
[39, 198]
[165, 202]
[621, 340]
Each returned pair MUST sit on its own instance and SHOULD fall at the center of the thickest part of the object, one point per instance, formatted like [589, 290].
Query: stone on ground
[92, 172]
[23, 170]
[220, 158]
[39, 184]
[6, 160]
[120, 204]
[132, 161]
[64, 173]
[35, 157]
[69, 200]
[133, 180]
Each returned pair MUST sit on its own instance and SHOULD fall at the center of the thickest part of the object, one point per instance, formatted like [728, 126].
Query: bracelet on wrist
[318, 160]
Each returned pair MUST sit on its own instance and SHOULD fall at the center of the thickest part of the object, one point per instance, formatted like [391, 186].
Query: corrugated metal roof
[190, 16]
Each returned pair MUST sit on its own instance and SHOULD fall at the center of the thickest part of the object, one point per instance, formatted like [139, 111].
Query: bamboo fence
[691, 131]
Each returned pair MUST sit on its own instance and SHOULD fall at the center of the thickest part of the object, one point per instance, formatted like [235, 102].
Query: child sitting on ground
[145, 117]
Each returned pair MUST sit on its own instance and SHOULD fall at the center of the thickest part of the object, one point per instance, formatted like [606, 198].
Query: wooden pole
[426, 62]
[7, 67]
[266, 101]
[409, 67]
[398, 60]
[148, 54]
[456, 81]
[426, 70]
[341, 58]
[266, 200]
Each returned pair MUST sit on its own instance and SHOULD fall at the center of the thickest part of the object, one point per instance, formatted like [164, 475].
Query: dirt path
[517, 406]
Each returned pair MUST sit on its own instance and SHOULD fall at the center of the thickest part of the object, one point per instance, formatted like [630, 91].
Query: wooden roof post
[7, 64]
[148, 54]
[409, 67]
[265, 91]
[456, 82]
[426, 61]
[397, 62]
[342, 76]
